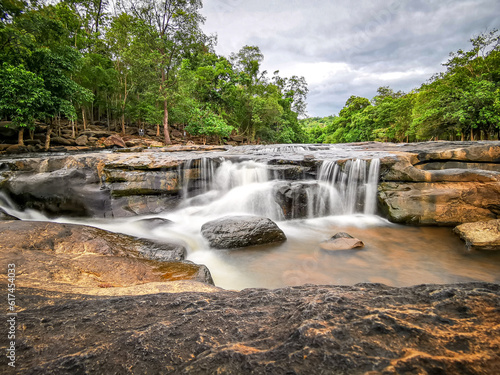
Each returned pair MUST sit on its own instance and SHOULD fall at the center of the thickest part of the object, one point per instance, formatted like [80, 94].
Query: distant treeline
[462, 103]
[142, 62]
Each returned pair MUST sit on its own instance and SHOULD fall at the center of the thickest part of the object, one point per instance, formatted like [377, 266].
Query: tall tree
[174, 33]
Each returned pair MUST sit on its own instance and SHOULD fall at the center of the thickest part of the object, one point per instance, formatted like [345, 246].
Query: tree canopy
[144, 63]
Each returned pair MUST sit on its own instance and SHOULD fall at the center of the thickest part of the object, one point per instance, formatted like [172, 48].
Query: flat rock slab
[361, 329]
[241, 231]
[482, 235]
[63, 256]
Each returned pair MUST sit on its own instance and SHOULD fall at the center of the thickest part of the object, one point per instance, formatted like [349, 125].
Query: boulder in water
[482, 235]
[154, 222]
[341, 241]
[241, 231]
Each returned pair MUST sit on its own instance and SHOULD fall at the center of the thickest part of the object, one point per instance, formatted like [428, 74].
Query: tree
[173, 31]
[22, 97]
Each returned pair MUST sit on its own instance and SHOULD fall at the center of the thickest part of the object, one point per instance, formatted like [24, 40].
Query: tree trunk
[165, 111]
[123, 124]
[84, 120]
[20, 137]
[471, 134]
[165, 124]
[73, 133]
[47, 138]
[107, 116]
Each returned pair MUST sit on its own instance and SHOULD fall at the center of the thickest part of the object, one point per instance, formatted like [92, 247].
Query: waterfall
[234, 188]
[355, 185]
[196, 175]
[247, 187]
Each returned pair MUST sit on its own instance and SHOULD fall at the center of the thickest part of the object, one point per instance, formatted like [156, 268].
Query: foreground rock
[61, 256]
[341, 241]
[362, 329]
[241, 231]
[483, 235]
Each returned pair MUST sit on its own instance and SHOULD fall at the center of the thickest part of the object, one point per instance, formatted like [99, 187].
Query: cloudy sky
[350, 47]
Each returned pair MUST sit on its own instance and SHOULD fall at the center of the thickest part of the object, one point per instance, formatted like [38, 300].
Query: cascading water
[354, 187]
[342, 198]
[248, 187]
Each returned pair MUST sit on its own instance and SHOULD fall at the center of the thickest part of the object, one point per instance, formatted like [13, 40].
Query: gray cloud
[346, 48]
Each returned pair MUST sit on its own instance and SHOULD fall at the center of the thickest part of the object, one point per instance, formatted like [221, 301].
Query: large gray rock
[482, 235]
[241, 231]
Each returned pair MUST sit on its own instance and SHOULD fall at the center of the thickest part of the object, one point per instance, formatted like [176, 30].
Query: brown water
[393, 255]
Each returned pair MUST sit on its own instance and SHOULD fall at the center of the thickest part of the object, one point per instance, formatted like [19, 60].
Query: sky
[345, 48]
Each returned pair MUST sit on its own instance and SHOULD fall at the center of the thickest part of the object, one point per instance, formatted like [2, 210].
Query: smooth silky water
[343, 198]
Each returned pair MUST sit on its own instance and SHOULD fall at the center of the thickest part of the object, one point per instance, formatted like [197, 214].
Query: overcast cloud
[346, 48]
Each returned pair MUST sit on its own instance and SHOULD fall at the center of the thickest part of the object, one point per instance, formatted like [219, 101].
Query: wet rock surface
[482, 235]
[62, 256]
[430, 183]
[241, 231]
[341, 241]
[362, 329]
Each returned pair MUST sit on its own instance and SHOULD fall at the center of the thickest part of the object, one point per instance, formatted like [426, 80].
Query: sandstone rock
[124, 183]
[69, 191]
[362, 329]
[4, 147]
[16, 149]
[341, 241]
[52, 254]
[482, 235]
[62, 141]
[82, 140]
[114, 140]
[446, 204]
[241, 231]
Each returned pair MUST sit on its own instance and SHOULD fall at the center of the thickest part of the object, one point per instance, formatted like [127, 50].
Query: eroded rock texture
[63, 256]
[482, 235]
[364, 329]
[442, 183]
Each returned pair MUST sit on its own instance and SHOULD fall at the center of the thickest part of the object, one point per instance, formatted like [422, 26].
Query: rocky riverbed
[95, 301]
[363, 329]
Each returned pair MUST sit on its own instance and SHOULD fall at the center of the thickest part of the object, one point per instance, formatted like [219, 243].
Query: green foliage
[22, 95]
[206, 123]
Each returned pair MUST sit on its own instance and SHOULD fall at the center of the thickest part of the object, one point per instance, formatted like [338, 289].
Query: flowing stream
[343, 198]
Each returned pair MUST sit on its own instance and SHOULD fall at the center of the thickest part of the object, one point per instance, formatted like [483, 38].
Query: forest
[144, 63]
[147, 65]
[462, 103]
